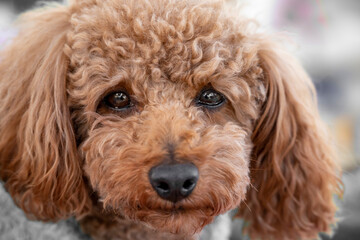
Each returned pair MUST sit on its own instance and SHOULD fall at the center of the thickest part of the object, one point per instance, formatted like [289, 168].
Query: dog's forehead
[151, 45]
[176, 40]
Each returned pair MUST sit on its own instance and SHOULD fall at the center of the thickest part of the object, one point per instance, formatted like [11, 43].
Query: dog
[149, 119]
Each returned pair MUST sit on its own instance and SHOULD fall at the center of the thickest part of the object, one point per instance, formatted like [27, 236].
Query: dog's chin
[176, 220]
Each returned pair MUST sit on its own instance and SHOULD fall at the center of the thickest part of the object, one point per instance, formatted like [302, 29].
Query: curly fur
[265, 151]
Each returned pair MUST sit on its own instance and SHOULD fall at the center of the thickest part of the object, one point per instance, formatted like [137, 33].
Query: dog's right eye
[210, 98]
[118, 101]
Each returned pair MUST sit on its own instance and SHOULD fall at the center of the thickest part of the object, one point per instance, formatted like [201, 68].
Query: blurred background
[325, 35]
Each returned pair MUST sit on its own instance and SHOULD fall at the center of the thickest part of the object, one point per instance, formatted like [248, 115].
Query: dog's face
[166, 123]
[152, 92]
[166, 110]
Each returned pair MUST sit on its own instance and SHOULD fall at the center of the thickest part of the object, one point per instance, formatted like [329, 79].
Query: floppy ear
[293, 172]
[39, 162]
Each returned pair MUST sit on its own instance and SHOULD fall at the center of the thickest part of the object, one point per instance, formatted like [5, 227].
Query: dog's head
[172, 112]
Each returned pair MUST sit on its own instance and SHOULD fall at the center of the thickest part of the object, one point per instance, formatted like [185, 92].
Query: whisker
[254, 187]
[247, 206]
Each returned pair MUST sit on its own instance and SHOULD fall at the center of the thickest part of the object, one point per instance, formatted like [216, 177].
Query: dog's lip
[173, 211]
[173, 208]
[176, 210]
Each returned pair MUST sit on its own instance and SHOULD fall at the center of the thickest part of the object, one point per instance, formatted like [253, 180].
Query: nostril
[163, 186]
[188, 185]
[174, 182]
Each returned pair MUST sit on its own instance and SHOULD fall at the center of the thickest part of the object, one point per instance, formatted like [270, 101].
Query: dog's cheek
[111, 172]
[224, 173]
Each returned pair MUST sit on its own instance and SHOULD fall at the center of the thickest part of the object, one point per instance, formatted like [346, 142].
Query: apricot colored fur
[265, 151]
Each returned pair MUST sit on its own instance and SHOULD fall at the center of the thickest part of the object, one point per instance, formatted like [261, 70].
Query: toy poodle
[147, 119]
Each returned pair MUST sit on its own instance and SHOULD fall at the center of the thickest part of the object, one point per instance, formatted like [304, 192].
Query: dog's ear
[292, 168]
[39, 162]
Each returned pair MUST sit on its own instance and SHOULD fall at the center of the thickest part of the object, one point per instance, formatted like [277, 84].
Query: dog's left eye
[210, 98]
[118, 100]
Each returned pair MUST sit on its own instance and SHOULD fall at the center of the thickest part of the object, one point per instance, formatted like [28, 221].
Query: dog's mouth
[185, 206]
[176, 218]
[178, 210]
[171, 209]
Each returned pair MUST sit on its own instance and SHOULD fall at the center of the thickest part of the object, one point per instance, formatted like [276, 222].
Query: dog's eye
[210, 98]
[118, 100]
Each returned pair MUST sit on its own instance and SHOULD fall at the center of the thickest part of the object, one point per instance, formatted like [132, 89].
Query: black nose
[175, 181]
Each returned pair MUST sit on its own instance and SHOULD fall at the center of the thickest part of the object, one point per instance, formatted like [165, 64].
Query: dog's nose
[174, 182]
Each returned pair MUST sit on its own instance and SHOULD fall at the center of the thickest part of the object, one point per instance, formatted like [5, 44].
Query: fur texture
[63, 153]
